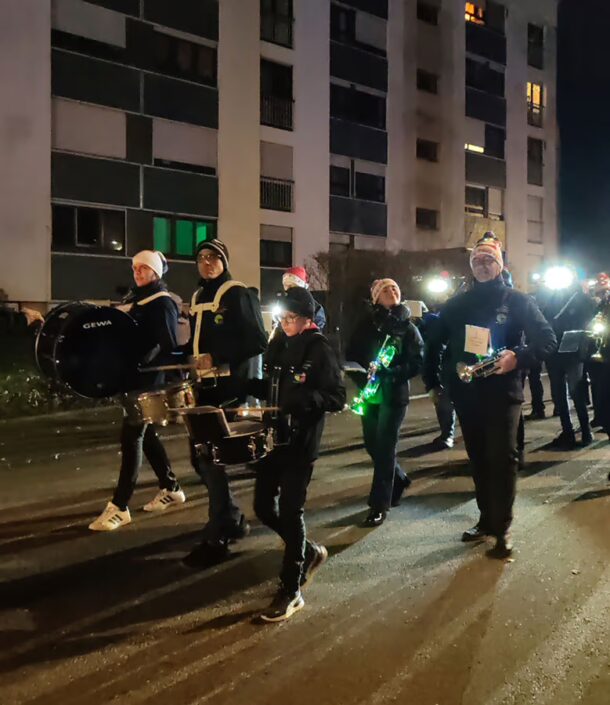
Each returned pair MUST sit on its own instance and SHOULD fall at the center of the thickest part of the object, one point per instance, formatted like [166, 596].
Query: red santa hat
[295, 276]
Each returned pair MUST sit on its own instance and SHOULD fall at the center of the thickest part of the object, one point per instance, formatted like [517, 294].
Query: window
[535, 150]
[427, 13]
[184, 59]
[276, 254]
[357, 106]
[339, 181]
[474, 13]
[495, 138]
[276, 95]
[535, 46]
[427, 150]
[370, 187]
[93, 229]
[426, 219]
[484, 201]
[480, 76]
[476, 148]
[363, 29]
[427, 81]
[535, 219]
[276, 21]
[179, 237]
[534, 104]
[342, 24]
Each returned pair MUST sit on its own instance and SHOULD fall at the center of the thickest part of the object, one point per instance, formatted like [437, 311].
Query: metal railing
[276, 112]
[276, 194]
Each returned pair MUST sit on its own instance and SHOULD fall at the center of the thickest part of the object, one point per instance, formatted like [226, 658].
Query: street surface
[405, 613]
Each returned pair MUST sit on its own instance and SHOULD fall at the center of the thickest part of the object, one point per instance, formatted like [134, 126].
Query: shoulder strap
[148, 299]
[214, 305]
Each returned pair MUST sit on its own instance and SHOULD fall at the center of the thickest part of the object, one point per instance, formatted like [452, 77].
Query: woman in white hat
[156, 313]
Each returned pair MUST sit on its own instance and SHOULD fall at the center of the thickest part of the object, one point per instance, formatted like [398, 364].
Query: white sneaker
[111, 518]
[165, 499]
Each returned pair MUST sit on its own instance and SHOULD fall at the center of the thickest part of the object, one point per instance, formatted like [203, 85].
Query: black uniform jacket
[511, 317]
[235, 332]
[310, 385]
[157, 321]
[368, 338]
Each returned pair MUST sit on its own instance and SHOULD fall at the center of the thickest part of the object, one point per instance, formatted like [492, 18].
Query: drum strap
[198, 310]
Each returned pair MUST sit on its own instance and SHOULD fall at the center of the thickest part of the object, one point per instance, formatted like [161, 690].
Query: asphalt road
[404, 613]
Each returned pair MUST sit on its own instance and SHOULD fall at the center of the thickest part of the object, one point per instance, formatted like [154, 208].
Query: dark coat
[511, 316]
[157, 321]
[368, 338]
[236, 332]
[310, 385]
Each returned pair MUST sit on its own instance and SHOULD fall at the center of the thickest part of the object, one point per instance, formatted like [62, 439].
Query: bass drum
[91, 349]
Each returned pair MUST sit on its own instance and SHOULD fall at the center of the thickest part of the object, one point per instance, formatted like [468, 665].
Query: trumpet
[598, 331]
[384, 358]
[485, 368]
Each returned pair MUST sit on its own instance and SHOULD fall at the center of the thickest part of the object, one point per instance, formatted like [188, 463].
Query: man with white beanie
[490, 317]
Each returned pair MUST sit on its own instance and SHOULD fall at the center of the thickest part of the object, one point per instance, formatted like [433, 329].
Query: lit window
[161, 235]
[534, 104]
[474, 148]
[474, 13]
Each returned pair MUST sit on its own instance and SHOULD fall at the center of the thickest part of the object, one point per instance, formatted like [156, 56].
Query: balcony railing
[276, 194]
[534, 115]
[277, 29]
[276, 112]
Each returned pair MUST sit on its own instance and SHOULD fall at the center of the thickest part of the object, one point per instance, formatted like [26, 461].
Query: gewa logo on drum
[96, 324]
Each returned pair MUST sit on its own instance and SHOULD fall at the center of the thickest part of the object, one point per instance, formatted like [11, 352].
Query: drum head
[94, 349]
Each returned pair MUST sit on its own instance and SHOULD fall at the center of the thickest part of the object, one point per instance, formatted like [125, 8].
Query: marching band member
[297, 276]
[156, 313]
[385, 412]
[227, 328]
[489, 315]
[310, 384]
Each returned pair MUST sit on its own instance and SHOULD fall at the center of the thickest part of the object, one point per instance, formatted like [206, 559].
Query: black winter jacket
[310, 385]
[234, 333]
[157, 322]
[368, 338]
[511, 317]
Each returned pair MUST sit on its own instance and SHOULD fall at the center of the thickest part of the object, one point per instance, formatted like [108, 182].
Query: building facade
[284, 127]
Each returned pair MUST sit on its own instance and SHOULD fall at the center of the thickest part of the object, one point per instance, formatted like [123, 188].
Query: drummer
[228, 329]
[156, 313]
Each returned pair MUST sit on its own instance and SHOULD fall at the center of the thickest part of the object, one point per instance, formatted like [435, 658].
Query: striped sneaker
[164, 499]
[283, 606]
[110, 519]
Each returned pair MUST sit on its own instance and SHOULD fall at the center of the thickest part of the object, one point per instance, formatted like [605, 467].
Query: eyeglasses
[483, 261]
[208, 258]
[289, 318]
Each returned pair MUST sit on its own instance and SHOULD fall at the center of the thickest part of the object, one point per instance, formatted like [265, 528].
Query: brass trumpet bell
[485, 368]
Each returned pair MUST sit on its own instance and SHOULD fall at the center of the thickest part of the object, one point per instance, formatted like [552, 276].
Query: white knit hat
[153, 259]
[379, 285]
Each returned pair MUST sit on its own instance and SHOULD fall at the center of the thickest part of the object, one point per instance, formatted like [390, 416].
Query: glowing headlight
[558, 278]
[437, 285]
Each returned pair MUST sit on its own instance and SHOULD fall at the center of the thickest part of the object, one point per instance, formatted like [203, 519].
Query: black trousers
[567, 373]
[600, 388]
[280, 492]
[380, 428]
[489, 427]
[536, 388]
[138, 439]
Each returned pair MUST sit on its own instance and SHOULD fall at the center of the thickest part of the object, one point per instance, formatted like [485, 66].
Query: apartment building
[284, 127]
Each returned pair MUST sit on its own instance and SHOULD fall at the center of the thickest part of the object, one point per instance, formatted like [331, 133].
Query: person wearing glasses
[227, 329]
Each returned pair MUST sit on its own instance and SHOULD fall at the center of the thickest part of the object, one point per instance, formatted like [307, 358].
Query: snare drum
[159, 406]
[224, 442]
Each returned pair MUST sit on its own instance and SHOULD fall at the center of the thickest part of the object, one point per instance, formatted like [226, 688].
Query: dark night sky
[584, 120]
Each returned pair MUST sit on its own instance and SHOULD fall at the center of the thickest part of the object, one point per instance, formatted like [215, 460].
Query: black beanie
[299, 301]
[216, 246]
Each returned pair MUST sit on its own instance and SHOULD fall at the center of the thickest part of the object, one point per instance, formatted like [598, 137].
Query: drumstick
[167, 368]
[210, 409]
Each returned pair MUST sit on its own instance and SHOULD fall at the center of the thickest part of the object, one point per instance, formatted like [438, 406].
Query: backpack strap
[198, 310]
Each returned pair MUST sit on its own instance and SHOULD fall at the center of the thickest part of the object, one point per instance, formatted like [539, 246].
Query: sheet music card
[478, 340]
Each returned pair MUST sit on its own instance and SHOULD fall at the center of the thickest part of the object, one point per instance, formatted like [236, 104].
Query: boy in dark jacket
[385, 412]
[310, 384]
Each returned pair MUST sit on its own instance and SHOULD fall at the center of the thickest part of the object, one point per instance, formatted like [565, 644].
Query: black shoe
[476, 533]
[375, 518]
[318, 556]
[587, 439]
[503, 547]
[564, 441]
[239, 530]
[399, 487]
[283, 606]
[535, 416]
[440, 443]
[596, 423]
[206, 555]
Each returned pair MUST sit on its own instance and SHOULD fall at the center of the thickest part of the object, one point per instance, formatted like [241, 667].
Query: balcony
[358, 217]
[276, 112]
[534, 115]
[276, 194]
